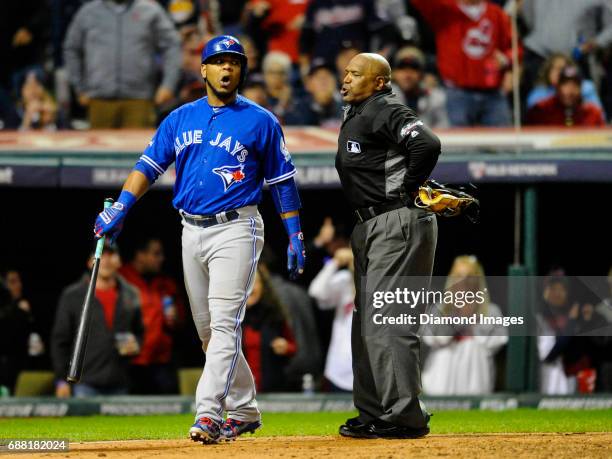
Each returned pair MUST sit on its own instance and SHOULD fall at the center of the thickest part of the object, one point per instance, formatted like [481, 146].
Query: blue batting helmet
[226, 44]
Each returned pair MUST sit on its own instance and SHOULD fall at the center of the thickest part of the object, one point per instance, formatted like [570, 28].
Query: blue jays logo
[228, 42]
[230, 174]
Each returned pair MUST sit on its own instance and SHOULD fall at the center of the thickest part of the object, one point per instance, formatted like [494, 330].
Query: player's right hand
[110, 221]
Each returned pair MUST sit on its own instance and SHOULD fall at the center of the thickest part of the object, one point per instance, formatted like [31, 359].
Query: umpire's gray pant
[387, 376]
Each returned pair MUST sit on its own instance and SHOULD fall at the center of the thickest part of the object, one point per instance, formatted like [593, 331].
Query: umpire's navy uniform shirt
[384, 151]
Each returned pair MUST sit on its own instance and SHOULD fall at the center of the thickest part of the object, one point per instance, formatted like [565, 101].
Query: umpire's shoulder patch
[409, 127]
[353, 147]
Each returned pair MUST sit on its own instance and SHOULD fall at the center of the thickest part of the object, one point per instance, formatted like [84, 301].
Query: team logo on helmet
[228, 42]
[230, 175]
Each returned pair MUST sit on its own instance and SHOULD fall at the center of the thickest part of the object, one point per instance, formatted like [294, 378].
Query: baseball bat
[78, 352]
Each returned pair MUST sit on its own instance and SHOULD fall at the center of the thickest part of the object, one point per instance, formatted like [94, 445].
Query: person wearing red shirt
[566, 107]
[267, 339]
[115, 331]
[280, 21]
[152, 371]
[473, 40]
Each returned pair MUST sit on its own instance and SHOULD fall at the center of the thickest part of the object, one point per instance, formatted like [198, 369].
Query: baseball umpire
[224, 147]
[384, 153]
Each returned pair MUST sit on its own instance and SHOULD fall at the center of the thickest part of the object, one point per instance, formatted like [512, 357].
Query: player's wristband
[127, 199]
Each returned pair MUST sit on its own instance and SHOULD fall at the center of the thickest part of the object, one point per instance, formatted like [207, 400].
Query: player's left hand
[296, 255]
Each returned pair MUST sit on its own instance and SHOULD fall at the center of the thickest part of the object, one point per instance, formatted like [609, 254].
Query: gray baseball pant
[219, 264]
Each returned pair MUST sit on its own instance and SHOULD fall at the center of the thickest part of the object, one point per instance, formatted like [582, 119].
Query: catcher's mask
[446, 201]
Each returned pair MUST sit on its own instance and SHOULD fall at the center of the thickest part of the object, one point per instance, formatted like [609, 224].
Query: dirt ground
[590, 445]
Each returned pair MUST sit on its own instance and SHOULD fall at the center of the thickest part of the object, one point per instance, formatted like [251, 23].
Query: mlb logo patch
[353, 147]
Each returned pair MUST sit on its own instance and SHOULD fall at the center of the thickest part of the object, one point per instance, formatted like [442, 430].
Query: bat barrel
[78, 354]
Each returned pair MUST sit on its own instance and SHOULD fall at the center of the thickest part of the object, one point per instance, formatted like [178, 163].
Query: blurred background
[518, 91]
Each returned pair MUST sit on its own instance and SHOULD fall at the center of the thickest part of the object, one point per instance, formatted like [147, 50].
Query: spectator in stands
[605, 307]
[12, 280]
[230, 16]
[548, 80]
[553, 320]
[577, 28]
[255, 89]
[473, 40]
[191, 85]
[267, 340]
[15, 328]
[189, 14]
[277, 23]
[110, 52]
[460, 359]
[37, 107]
[334, 288]
[153, 370]
[282, 99]
[348, 50]
[408, 74]
[603, 342]
[329, 23]
[23, 35]
[114, 336]
[253, 56]
[322, 104]
[396, 12]
[23, 38]
[587, 353]
[331, 237]
[307, 358]
[566, 107]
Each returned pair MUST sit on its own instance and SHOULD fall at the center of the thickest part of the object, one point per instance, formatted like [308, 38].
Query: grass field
[304, 424]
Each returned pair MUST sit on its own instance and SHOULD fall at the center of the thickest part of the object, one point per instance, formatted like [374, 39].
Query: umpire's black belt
[204, 221]
[366, 213]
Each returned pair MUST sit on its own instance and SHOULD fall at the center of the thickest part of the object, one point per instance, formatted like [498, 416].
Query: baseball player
[224, 147]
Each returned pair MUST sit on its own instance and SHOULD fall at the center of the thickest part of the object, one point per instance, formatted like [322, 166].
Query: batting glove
[296, 255]
[110, 221]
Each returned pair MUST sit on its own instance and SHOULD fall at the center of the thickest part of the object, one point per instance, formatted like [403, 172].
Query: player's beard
[222, 96]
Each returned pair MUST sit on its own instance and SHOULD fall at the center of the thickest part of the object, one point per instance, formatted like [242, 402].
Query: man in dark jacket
[115, 333]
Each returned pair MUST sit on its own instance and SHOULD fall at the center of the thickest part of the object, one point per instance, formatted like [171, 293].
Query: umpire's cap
[226, 44]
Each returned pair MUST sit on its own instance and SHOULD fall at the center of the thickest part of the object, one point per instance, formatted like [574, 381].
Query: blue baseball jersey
[222, 155]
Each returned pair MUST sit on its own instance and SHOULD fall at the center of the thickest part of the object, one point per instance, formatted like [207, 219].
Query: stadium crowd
[78, 64]
[296, 335]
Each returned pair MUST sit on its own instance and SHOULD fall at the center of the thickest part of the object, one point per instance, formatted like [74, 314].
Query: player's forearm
[137, 184]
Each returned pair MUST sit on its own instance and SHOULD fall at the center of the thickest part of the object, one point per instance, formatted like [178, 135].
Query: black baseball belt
[367, 213]
[204, 221]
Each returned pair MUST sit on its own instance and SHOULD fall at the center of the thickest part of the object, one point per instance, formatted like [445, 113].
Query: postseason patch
[409, 127]
[353, 147]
